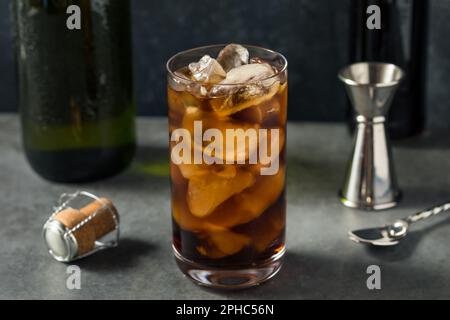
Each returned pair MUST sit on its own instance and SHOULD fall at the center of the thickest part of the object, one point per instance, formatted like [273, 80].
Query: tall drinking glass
[228, 165]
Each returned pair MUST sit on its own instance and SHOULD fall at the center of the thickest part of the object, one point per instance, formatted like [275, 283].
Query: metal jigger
[370, 181]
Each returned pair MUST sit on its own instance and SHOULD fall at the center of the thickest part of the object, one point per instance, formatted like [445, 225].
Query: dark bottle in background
[76, 96]
[402, 40]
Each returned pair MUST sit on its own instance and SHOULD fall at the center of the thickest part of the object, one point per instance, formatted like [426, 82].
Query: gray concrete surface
[320, 263]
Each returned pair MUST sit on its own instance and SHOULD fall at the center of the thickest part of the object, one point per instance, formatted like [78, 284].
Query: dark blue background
[312, 34]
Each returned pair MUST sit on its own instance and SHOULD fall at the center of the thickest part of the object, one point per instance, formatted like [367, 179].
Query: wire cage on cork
[80, 225]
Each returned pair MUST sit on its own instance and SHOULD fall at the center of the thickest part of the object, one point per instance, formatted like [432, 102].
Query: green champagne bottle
[76, 97]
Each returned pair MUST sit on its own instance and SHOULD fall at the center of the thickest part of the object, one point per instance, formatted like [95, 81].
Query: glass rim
[175, 76]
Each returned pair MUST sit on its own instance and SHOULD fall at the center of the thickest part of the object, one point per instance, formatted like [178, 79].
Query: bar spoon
[390, 235]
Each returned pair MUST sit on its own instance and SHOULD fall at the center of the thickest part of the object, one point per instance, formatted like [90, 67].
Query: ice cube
[207, 70]
[191, 115]
[209, 120]
[228, 242]
[189, 171]
[249, 73]
[233, 56]
[236, 151]
[224, 171]
[181, 214]
[210, 251]
[254, 84]
[250, 203]
[219, 243]
[247, 80]
[267, 113]
[245, 97]
[206, 193]
[265, 231]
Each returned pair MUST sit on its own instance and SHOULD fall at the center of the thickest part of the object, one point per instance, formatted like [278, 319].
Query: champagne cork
[84, 235]
[105, 216]
[87, 225]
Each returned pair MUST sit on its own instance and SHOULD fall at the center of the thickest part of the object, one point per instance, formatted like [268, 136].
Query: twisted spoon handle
[428, 213]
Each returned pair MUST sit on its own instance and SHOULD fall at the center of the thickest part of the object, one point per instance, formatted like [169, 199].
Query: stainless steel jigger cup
[370, 181]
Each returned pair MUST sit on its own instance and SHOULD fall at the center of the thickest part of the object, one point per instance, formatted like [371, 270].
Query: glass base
[226, 278]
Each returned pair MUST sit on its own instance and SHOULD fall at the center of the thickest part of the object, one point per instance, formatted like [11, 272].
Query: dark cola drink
[227, 136]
